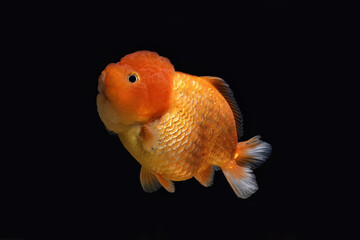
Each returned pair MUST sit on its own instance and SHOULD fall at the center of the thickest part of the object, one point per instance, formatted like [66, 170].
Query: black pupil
[132, 78]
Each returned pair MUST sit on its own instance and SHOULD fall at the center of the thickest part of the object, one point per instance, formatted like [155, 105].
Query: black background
[67, 176]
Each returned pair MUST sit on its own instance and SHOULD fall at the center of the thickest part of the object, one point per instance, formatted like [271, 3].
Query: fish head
[137, 89]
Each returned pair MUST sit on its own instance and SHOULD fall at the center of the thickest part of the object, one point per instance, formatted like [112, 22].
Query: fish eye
[133, 77]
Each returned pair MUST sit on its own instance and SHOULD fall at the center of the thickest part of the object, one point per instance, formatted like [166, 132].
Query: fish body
[192, 130]
[189, 139]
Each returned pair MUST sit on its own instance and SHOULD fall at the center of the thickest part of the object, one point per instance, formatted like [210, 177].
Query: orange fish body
[176, 125]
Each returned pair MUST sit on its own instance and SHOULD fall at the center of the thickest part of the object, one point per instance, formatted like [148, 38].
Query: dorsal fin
[225, 90]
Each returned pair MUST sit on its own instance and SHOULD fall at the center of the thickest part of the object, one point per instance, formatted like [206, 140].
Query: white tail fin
[249, 155]
[242, 180]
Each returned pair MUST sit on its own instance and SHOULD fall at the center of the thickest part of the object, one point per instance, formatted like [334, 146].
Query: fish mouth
[101, 81]
[103, 95]
[100, 87]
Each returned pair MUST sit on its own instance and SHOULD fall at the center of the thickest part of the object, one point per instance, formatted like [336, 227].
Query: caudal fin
[249, 155]
[252, 153]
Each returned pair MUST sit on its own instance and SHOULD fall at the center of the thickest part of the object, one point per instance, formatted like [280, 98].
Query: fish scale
[189, 134]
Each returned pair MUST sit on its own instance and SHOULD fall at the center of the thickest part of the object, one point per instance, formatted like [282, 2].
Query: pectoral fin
[149, 137]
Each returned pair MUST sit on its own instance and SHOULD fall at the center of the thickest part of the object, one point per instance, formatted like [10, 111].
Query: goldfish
[177, 125]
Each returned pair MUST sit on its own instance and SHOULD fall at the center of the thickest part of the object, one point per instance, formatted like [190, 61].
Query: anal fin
[206, 176]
